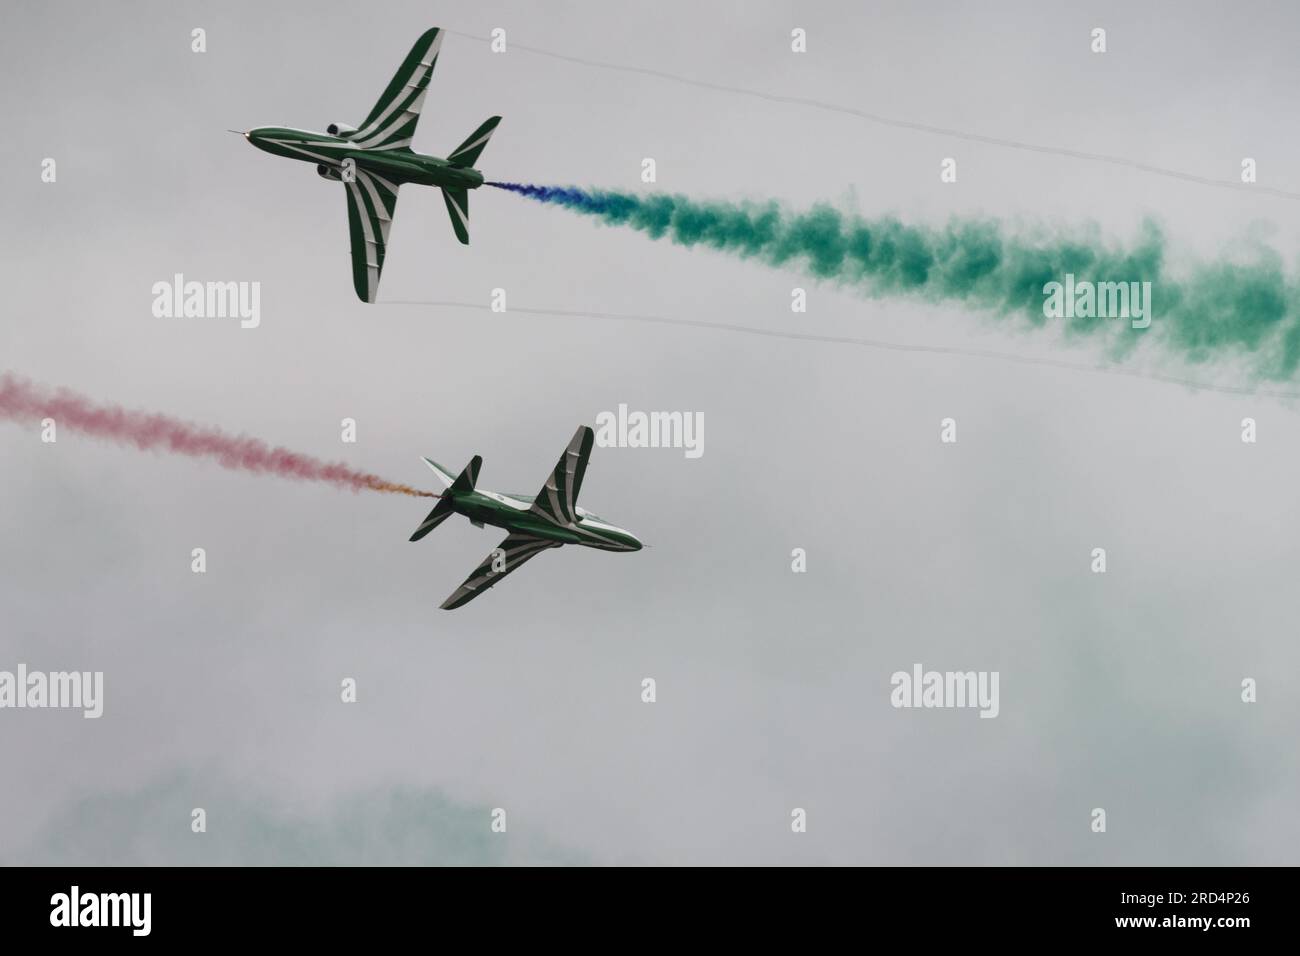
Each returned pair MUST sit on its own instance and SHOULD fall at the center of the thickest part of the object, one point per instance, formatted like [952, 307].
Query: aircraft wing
[514, 551]
[391, 124]
[372, 199]
[559, 495]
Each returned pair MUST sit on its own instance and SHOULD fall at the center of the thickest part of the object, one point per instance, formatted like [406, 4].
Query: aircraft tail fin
[457, 201]
[467, 153]
[468, 478]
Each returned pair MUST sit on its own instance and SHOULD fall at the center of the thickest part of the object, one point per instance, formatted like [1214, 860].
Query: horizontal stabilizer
[457, 201]
[466, 154]
[441, 511]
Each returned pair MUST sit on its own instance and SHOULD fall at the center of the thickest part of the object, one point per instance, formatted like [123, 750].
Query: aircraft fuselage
[514, 514]
[330, 153]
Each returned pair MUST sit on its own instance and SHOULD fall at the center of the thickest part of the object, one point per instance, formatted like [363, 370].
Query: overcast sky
[1119, 691]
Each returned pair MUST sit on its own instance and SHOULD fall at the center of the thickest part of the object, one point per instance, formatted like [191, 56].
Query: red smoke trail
[22, 401]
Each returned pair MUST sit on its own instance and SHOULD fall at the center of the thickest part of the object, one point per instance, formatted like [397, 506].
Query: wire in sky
[866, 343]
[905, 124]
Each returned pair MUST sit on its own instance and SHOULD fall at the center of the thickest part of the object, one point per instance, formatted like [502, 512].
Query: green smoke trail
[1247, 312]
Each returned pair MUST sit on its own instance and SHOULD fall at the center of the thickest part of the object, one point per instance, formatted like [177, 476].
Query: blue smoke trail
[597, 203]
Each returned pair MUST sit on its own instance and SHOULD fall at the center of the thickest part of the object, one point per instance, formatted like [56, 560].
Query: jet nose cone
[633, 544]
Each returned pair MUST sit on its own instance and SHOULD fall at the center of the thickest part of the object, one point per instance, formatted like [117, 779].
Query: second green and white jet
[549, 520]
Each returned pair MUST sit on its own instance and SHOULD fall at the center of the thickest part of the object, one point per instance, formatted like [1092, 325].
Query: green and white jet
[550, 520]
[373, 160]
